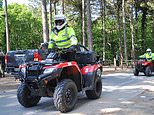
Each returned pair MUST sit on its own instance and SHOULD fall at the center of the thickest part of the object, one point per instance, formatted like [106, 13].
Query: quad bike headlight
[23, 70]
[143, 64]
[48, 70]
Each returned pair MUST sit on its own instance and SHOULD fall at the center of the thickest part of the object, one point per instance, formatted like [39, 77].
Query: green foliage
[25, 26]
[25, 31]
[1, 3]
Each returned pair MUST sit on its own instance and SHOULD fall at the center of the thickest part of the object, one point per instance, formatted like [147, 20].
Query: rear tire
[148, 71]
[25, 98]
[95, 93]
[2, 71]
[136, 72]
[65, 95]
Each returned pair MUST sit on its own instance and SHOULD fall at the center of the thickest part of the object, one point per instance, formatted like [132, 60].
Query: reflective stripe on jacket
[64, 39]
[148, 56]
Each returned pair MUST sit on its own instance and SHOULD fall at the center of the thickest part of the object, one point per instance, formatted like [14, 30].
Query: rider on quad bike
[64, 73]
[145, 64]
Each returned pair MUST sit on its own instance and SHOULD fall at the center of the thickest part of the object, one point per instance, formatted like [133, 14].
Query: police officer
[148, 55]
[62, 35]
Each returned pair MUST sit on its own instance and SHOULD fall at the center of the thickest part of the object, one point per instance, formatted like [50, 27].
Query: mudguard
[89, 74]
[146, 63]
[64, 70]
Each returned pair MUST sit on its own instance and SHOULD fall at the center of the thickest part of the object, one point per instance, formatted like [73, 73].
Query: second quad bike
[61, 79]
[142, 65]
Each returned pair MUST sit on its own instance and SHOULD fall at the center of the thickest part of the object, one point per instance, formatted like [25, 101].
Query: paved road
[118, 90]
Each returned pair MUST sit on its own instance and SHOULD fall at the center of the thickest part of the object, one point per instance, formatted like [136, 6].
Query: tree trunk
[104, 36]
[83, 22]
[50, 13]
[63, 7]
[132, 31]
[153, 28]
[89, 26]
[144, 13]
[124, 28]
[55, 9]
[119, 36]
[7, 28]
[136, 24]
[102, 6]
[45, 22]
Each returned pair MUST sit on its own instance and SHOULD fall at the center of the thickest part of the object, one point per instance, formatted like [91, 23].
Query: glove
[72, 49]
[44, 46]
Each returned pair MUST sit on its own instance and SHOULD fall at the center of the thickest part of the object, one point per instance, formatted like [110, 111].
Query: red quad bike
[142, 65]
[55, 77]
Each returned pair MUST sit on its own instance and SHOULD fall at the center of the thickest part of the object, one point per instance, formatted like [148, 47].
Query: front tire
[148, 71]
[136, 72]
[95, 93]
[25, 98]
[65, 95]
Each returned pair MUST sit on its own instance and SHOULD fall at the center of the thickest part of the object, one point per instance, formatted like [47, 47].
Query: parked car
[15, 58]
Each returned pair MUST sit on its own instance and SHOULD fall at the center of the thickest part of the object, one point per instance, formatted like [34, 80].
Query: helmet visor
[59, 22]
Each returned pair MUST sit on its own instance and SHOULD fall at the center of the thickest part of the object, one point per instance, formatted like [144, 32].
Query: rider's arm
[51, 42]
[72, 36]
[142, 56]
[152, 56]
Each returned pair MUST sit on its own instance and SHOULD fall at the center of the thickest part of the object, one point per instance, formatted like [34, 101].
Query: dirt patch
[8, 82]
[110, 70]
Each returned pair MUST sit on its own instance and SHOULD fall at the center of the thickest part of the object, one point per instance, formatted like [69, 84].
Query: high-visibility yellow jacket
[63, 39]
[148, 56]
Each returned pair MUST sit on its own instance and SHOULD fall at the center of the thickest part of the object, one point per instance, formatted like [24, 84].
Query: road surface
[122, 94]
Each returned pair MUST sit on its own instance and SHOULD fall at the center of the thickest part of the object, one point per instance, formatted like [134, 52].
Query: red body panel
[90, 68]
[84, 70]
[63, 65]
[145, 63]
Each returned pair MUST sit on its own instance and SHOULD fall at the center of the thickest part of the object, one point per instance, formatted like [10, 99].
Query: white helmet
[148, 50]
[60, 21]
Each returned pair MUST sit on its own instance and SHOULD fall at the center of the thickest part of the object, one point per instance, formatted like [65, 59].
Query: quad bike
[61, 79]
[142, 65]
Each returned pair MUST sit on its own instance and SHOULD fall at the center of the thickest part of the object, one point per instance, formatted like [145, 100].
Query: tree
[124, 28]
[63, 7]
[24, 28]
[89, 26]
[119, 32]
[83, 22]
[7, 28]
[50, 14]
[104, 34]
[45, 22]
[132, 30]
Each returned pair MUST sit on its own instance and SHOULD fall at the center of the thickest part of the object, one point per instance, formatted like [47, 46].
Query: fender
[89, 69]
[89, 74]
[146, 63]
[65, 70]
